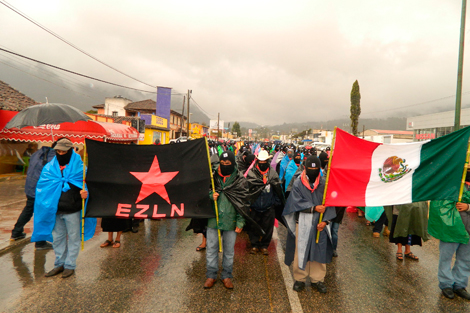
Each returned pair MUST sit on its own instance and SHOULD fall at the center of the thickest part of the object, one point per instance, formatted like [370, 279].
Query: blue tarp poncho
[48, 190]
[283, 167]
[291, 169]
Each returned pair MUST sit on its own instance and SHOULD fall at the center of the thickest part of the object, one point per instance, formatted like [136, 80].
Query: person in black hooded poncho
[265, 196]
[302, 214]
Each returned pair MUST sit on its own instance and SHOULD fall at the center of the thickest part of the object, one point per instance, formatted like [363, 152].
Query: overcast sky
[261, 61]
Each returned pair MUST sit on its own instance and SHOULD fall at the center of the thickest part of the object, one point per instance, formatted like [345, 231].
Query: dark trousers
[24, 218]
[379, 224]
[266, 221]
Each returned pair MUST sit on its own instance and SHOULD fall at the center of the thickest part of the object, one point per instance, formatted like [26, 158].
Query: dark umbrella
[47, 113]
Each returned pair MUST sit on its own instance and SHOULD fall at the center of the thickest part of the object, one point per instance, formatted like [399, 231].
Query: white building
[435, 125]
[115, 106]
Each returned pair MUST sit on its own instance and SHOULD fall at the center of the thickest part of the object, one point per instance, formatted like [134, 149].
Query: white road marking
[294, 300]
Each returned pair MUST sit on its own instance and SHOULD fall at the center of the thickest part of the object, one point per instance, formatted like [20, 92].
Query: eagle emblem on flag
[393, 169]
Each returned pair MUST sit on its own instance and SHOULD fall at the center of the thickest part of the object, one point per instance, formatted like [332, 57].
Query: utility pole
[218, 119]
[182, 117]
[187, 125]
[458, 98]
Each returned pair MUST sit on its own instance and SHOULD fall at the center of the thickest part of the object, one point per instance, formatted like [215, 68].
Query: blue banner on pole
[164, 103]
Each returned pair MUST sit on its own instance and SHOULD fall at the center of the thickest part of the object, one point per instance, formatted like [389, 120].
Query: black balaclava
[65, 158]
[290, 153]
[311, 163]
[226, 170]
[249, 159]
[323, 159]
[277, 148]
[263, 166]
[297, 158]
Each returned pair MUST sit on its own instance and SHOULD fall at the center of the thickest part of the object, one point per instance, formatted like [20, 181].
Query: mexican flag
[364, 173]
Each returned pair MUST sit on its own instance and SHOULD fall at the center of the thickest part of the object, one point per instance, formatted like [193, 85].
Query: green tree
[355, 107]
[236, 129]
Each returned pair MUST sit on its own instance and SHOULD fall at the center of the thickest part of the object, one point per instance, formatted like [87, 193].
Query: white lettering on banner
[48, 126]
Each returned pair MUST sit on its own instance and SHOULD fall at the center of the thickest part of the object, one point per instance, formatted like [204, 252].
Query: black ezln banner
[148, 181]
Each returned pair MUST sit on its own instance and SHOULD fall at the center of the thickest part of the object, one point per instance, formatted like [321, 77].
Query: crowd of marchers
[255, 186]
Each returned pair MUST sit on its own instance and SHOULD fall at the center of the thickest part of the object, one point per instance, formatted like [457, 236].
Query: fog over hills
[40, 82]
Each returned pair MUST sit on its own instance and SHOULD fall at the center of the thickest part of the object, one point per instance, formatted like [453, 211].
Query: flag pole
[464, 175]
[83, 200]
[327, 178]
[213, 190]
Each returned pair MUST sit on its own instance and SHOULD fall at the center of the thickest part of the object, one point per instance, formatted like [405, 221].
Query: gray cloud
[258, 62]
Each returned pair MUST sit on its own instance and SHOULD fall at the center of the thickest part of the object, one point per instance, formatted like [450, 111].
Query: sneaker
[462, 293]
[14, 238]
[320, 287]
[299, 286]
[46, 246]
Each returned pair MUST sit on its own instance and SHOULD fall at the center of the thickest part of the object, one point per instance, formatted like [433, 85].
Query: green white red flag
[364, 173]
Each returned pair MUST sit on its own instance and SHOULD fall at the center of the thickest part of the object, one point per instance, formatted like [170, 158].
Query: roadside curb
[13, 177]
[5, 247]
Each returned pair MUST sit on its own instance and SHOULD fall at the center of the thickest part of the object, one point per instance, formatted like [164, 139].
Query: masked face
[312, 173]
[63, 157]
[290, 154]
[297, 158]
[226, 167]
[263, 165]
[312, 168]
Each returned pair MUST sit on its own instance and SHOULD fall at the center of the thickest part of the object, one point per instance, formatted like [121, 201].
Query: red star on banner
[154, 181]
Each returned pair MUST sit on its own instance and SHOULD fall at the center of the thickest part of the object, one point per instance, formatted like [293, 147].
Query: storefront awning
[76, 132]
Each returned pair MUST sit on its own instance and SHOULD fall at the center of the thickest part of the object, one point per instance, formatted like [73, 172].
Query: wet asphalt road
[158, 270]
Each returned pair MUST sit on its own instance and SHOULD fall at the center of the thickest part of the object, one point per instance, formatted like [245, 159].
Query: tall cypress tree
[355, 107]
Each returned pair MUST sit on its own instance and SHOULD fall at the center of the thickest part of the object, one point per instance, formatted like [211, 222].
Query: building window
[115, 113]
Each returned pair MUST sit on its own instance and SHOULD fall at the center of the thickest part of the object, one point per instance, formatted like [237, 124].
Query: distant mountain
[391, 123]
[245, 124]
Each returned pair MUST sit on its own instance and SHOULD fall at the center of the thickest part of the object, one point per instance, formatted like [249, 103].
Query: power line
[68, 42]
[416, 104]
[201, 107]
[64, 77]
[47, 80]
[75, 73]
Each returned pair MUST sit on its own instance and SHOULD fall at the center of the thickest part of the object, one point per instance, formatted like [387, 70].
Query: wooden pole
[213, 190]
[327, 178]
[83, 200]
[464, 175]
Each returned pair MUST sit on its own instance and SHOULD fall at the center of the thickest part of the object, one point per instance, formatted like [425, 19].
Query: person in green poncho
[228, 182]
[449, 222]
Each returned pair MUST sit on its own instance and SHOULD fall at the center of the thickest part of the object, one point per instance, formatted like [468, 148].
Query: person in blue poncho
[58, 205]
[284, 162]
[291, 169]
